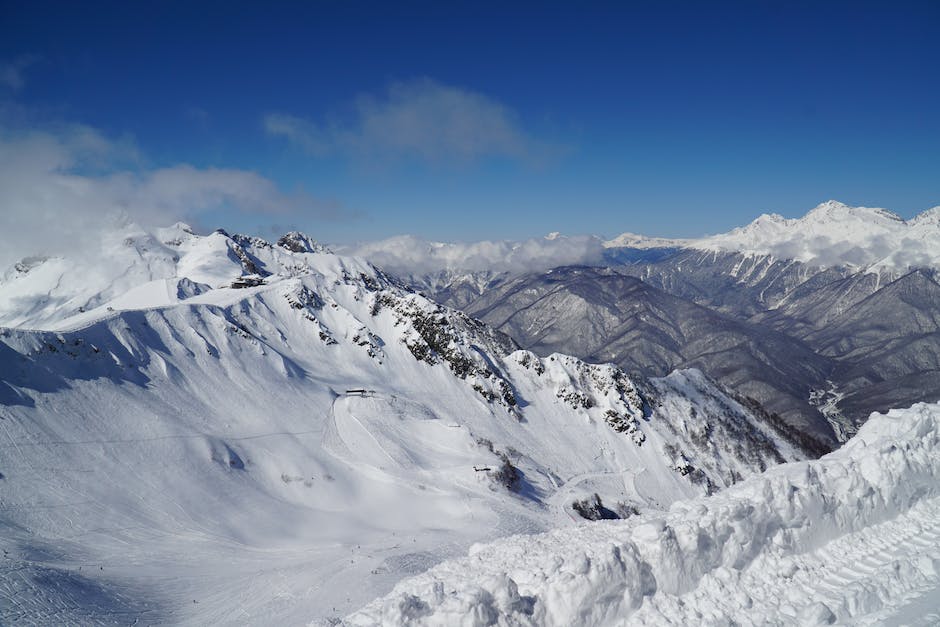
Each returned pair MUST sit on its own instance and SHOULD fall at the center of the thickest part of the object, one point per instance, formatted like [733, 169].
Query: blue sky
[467, 121]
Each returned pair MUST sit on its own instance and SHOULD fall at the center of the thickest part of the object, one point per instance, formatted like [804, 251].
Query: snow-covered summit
[831, 234]
[835, 211]
[930, 217]
[298, 242]
[827, 224]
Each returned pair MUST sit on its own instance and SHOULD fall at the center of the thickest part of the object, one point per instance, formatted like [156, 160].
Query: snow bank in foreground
[849, 537]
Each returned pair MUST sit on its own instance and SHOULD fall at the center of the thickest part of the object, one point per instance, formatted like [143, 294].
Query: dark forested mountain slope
[799, 339]
[603, 315]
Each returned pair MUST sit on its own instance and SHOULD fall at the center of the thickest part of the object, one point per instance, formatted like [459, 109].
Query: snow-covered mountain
[128, 267]
[186, 419]
[852, 538]
[834, 234]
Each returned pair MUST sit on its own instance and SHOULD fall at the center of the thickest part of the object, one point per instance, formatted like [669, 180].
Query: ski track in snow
[875, 576]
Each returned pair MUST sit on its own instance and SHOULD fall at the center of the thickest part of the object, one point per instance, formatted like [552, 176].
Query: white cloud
[408, 255]
[11, 72]
[298, 131]
[418, 119]
[57, 188]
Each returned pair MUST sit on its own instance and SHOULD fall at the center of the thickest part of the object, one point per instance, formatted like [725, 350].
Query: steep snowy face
[280, 419]
[851, 538]
[835, 234]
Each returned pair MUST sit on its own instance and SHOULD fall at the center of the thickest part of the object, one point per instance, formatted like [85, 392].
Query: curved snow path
[566, 493]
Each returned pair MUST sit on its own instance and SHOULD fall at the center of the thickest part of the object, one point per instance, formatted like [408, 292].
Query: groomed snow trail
[851, 538]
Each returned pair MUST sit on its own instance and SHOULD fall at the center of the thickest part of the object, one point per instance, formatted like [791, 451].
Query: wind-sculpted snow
[849, 538]
[234, 431]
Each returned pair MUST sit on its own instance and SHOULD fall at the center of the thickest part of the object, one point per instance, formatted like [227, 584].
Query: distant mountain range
[830, 235]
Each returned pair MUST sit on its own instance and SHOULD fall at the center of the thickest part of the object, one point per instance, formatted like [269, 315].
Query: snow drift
[851, 537]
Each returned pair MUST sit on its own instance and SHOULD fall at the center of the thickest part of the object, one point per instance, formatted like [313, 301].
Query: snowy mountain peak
[833, 210]
[176, 234]
[832, 220]
[831, 234]
[928, 218]
[183, 227]
[836, 234]
[298, 242]
[831, 204]
[774, 218]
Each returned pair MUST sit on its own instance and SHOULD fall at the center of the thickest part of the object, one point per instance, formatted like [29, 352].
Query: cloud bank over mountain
[62, 186]
[831, 234]
[409, 255]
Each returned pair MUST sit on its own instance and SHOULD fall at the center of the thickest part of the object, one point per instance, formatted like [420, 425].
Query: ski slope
[179, 442]
[851, 538]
